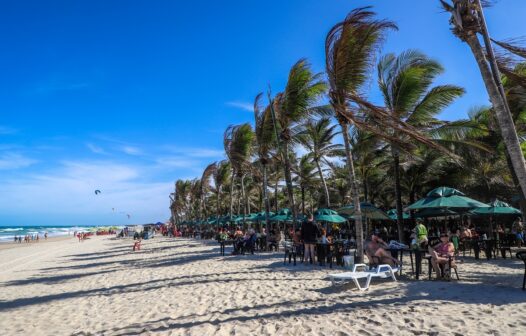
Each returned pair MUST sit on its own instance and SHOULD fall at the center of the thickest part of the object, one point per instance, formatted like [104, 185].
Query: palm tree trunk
[303, 200]
[218, 204]
[354, 192]
[502, 113]
[522, 200]
[398, 194]
[265, 194]
[288, 181]
[327, 200]
[276, 196]
[365, 189]
[243, 196]
[232, 180]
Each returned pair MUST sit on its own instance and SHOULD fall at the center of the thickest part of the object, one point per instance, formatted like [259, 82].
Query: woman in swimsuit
[440, 254]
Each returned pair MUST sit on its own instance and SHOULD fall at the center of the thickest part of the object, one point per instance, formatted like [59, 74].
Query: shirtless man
[376, 252]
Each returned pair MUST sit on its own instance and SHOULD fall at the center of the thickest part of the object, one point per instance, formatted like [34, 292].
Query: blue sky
[128, 96]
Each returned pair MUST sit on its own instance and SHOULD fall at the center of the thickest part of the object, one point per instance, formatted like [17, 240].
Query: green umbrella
[261, 216]
[393, 215]
[328, 215]
[497, 208]
[368, 210]
[444, 197]
[251, 218]
[435, 212]
[285, 215]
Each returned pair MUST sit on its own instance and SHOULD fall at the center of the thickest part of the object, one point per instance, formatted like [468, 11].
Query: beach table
[223, 243]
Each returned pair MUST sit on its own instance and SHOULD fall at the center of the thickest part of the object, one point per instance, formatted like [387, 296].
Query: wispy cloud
[67, 191]
[15, 161]
[5, 130]
[95, 149]
[130, 150]
[242, 105]
[196, 152]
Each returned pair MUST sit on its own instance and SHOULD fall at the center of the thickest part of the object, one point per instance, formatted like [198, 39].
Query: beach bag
[348, 261]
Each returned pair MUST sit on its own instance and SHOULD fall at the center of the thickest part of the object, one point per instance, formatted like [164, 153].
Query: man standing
[309, 234]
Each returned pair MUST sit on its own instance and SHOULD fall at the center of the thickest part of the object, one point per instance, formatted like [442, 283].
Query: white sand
[185, 287]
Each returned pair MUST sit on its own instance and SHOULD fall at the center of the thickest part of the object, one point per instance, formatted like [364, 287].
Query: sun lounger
[381, 271]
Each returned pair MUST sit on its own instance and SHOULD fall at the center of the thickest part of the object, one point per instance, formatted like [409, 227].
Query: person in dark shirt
[309, 233]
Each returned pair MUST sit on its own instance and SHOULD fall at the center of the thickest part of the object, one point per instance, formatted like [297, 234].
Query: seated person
[273, 239]
[440, 254]
[377, 254]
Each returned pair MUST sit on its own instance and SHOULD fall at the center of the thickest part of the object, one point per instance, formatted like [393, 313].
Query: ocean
[7, 233]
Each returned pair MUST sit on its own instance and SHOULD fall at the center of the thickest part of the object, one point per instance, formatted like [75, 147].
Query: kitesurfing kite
[97, 192]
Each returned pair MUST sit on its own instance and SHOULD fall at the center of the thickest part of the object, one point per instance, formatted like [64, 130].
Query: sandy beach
[184, 287]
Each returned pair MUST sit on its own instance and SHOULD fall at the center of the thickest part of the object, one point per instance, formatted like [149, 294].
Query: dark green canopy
[444, 197]
[435, 212]
[285, 215]
[328, 215]
[497, 208]
[368, 211]
[393, 215]
[261, 216]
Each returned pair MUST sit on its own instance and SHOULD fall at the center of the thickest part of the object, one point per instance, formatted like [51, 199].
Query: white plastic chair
[381, 271]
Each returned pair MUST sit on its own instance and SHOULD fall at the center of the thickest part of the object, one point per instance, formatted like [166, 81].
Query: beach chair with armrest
[381, 271]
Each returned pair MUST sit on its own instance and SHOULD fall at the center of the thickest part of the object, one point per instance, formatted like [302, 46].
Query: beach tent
[444, 197]
[328, 215]
[369, 211]
[497, 208]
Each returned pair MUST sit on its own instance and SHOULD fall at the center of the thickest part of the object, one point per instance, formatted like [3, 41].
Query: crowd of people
[28, 238]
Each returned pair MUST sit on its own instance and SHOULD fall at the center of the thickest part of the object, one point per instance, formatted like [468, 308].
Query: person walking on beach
[309, 233]
[45, 235]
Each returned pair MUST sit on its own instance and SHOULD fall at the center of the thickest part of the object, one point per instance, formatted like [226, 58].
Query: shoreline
[6, 245]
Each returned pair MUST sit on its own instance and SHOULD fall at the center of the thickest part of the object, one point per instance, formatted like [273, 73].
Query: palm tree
[405, 83]
[317, 137]
[239, 143]
[305, 177]
[204, 188]
[467, 19]
[220, 176]
[350, 49]
[291, 107]
[265, 141]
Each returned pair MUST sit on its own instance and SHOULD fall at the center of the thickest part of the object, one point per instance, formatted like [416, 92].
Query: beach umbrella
[435, 212]
[444, 197]
[328, 215]
[260, 216]
[285, 215]
[251, 218]
[368, 211]
[497, 207]
[393, 215]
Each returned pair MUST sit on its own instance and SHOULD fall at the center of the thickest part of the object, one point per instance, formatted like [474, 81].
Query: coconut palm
[467, 20]
[239, 142]
[265, 142]
[350, 50]
[405, 83]
[305, 177]
[317, 137]
[292, 107]
[220, 176]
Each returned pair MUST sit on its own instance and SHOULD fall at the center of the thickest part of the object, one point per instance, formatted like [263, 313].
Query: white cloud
[68, 192]
[242, 105]
[95, 149]
[130, 150]
[196, 152]
[14, 161]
